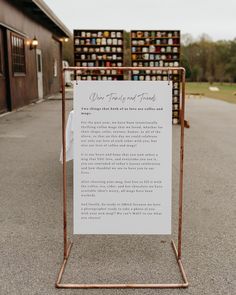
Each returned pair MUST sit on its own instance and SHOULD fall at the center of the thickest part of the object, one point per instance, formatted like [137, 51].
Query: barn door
[3, 73]
[39, 73]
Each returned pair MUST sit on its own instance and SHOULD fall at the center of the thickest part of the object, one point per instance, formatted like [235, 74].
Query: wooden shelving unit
[149, 48]
[99, 48]
[158, 48]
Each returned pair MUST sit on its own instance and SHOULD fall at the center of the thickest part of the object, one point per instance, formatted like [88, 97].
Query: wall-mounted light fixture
[64, 39]
[34, 43]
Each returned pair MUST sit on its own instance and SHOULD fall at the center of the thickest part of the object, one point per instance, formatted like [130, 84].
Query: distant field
[226, 91]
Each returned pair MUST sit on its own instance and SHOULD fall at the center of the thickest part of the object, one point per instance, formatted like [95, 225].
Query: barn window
[1, 52]
[1, 71]
[18, 54]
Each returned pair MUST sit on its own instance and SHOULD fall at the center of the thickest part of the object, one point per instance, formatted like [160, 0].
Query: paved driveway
[31, 211]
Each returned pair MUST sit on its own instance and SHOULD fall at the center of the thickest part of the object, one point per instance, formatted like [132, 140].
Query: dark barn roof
[39, 11]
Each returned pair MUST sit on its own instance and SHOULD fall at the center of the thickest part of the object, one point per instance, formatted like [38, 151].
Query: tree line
[209, 61]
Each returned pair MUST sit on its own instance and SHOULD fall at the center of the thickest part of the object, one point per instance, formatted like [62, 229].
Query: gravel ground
[31, 237]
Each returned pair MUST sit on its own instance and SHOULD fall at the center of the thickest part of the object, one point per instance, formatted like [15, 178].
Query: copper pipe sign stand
[68, 244]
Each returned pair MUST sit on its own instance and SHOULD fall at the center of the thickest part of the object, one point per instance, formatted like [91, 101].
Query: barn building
[31, 40]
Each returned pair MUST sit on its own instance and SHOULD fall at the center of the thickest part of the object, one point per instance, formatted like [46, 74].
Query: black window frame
[18, 55]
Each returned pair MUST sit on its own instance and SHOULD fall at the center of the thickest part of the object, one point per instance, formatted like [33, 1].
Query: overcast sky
[217, 18]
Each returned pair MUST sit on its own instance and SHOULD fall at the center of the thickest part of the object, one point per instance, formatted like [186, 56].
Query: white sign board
[122, 157]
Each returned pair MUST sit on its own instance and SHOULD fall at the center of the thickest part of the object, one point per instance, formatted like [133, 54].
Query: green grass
[226, 90]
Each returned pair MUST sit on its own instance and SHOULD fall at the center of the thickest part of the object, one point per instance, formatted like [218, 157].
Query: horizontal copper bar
[124, 68]
[121, 286]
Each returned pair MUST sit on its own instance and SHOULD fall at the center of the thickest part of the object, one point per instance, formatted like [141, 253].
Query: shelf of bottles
[158, 49]
[99, 48]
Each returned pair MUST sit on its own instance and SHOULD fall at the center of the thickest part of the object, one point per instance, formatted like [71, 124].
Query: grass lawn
[226, 90]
